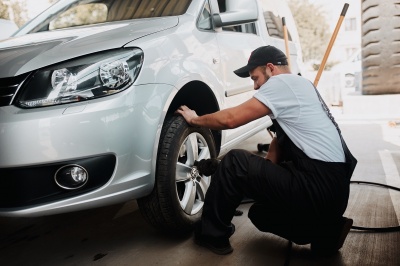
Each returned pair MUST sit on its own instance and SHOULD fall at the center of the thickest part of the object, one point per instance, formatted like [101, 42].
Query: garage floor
[118, 235]
[376, 145]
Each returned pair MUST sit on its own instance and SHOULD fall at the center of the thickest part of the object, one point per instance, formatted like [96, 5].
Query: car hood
[25, 53]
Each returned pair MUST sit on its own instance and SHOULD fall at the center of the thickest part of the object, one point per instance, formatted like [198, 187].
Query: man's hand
[187, 113]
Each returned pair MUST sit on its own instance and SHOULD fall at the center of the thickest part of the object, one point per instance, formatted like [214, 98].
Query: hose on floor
[376, 229]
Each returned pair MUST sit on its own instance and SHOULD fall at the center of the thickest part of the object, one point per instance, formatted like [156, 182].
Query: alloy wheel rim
[191, 187]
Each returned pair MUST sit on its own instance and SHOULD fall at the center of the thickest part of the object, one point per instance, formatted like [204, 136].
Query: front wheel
[177, 199]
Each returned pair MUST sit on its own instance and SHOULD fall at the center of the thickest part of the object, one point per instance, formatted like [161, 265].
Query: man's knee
[236, 154]
[236, 158]
[258, 215]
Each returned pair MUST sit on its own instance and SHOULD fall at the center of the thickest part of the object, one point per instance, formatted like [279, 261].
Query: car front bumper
[113, 137]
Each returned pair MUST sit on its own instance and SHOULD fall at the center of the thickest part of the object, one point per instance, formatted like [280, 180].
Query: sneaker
[331, 245]
[220, 246]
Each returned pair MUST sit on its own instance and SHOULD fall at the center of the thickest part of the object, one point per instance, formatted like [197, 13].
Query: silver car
[88, 91]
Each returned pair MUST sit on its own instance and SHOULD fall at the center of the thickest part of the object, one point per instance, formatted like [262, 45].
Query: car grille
[9, 87]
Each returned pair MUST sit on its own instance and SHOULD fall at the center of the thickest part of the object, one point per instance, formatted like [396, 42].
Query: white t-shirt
[294, 104]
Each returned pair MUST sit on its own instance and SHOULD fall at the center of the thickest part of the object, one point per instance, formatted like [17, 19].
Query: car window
[78, 16]
[244, 28]
[131, 9]
[204, 21]
[88, 12]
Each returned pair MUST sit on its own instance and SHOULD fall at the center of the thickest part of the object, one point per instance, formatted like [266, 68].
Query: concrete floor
[118, 235]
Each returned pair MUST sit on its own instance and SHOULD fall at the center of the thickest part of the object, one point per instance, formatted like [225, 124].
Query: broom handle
[328, 50]
[285, 35]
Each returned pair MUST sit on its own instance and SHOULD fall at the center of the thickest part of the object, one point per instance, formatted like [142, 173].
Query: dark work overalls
[301, 199]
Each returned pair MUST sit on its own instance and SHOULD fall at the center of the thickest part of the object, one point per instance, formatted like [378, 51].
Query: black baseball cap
[260, 57]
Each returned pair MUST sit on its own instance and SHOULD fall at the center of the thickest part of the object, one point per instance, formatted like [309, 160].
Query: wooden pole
[285, 35]
[333, 38]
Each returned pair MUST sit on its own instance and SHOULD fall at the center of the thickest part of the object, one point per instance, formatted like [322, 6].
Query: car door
[236, 44]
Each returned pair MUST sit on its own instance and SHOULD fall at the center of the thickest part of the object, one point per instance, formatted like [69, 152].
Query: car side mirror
[237, 12]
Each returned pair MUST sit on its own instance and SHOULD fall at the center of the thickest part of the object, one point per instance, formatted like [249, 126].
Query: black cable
[377, 229]
[376, 184]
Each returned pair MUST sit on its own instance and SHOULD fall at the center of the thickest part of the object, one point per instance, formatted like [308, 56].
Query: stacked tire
[380, 46]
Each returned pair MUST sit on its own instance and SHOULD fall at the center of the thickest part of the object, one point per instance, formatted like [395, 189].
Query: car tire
[177, 199]
[380, 47]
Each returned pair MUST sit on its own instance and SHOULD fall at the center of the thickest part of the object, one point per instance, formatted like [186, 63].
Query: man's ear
[271, 68]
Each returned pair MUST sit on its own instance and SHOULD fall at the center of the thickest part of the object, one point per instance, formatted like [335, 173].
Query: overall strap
[349, 157]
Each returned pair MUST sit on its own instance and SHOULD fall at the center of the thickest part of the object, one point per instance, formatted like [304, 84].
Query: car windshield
[67, 14]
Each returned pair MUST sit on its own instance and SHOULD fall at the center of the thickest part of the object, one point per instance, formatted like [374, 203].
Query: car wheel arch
[198, 96]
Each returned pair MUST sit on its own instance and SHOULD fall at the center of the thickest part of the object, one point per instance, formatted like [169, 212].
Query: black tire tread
[380, 46]
[150, 206]
[159, 208]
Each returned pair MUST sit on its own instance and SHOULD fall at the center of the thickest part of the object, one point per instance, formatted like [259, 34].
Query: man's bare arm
[227, 118]
[274, 152]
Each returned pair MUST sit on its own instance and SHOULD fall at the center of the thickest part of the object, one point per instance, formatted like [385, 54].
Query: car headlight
[80, 79]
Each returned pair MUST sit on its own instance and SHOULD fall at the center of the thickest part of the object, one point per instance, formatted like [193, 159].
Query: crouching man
[301, 188]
